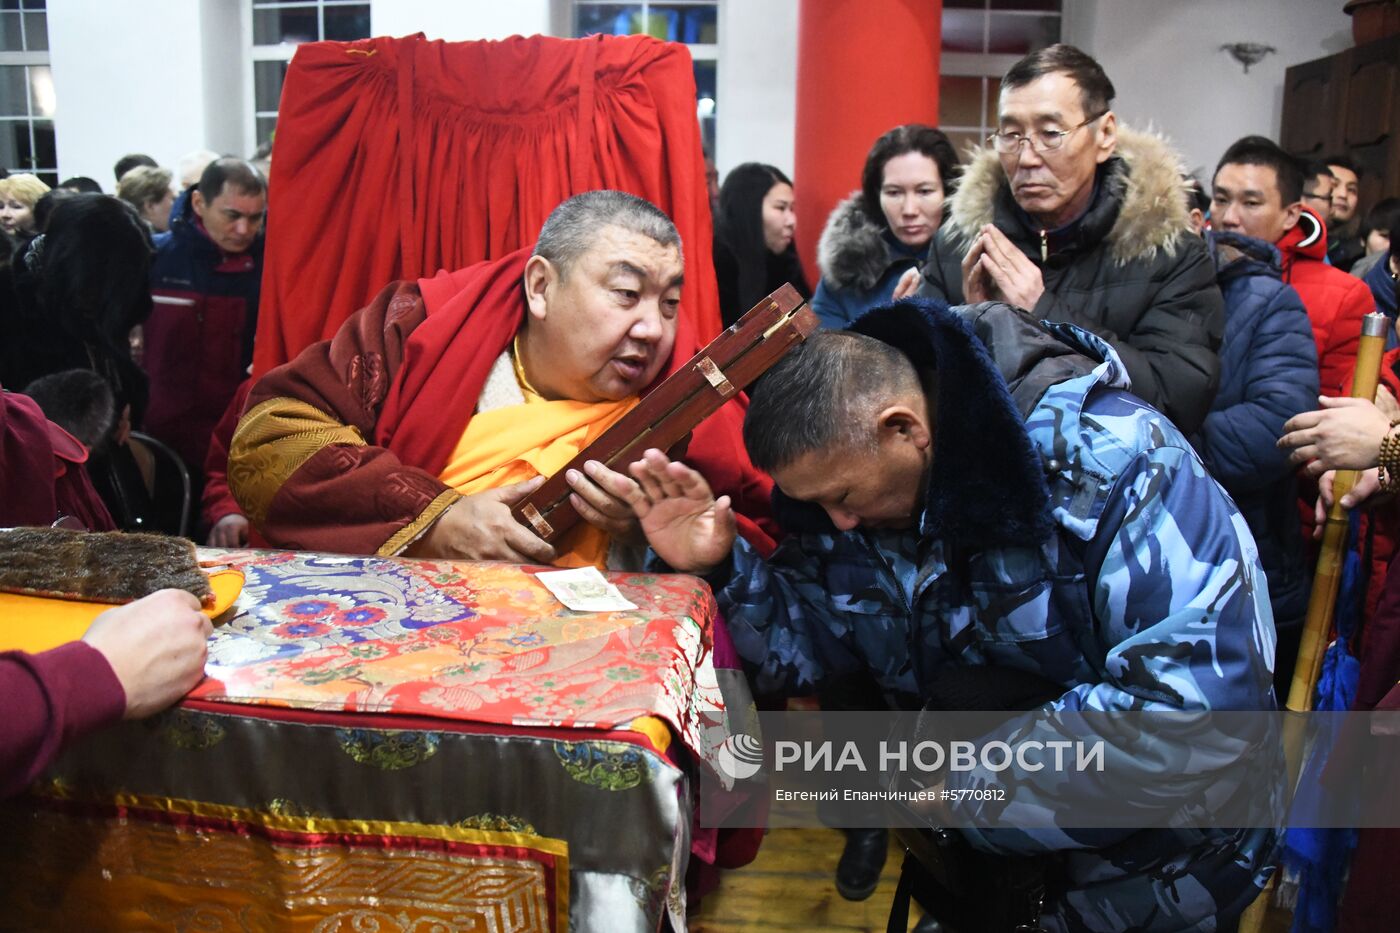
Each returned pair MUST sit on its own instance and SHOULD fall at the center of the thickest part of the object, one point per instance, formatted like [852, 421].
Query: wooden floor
[791, 886]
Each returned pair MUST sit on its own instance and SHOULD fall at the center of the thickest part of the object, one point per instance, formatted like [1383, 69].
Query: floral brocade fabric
[478, 642]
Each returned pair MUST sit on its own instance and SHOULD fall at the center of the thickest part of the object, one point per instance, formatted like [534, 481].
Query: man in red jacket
[1258, 191]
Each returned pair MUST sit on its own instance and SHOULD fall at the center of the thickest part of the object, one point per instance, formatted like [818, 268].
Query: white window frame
[281, 52]
[989, 65]
[31, 59]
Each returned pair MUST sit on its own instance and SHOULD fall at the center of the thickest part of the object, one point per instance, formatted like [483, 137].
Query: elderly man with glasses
[1072, 217]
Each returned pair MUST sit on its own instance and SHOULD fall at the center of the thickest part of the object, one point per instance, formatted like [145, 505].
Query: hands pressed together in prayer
[994, 269]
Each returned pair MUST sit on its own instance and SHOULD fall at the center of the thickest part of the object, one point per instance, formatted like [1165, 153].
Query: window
[26, 91]
[692, 22]
[982, 39]
[277, 27]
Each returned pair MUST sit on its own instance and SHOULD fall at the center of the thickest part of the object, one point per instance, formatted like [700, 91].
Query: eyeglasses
[1317, 196]
[1040, 140]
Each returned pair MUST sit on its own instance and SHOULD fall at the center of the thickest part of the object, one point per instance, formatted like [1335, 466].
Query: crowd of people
[1092, 437]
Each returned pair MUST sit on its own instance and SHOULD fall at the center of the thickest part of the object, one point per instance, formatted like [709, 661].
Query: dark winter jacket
[1381, 281]
[1128, 271]
[1067, 531]
[779, 269]
[1344, 251]
[861, 262]
[1268, 374]
[199, 339]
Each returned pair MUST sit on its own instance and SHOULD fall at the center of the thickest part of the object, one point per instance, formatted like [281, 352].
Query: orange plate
[37, 623]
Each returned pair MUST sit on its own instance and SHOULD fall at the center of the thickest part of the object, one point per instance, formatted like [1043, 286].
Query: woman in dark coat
[78, 291]
[754, 251]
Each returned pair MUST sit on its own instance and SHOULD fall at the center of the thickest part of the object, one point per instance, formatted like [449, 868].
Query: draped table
[393, 745]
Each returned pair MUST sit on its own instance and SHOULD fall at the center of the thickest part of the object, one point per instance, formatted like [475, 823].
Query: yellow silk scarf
[518, 442]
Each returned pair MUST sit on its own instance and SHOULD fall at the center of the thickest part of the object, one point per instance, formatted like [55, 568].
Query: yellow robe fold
[515, 443]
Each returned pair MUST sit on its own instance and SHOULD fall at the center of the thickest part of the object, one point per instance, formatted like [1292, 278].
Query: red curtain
[395, 158]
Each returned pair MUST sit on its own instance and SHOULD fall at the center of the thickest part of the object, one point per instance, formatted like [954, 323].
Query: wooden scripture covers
[395, 158]
[673, 409]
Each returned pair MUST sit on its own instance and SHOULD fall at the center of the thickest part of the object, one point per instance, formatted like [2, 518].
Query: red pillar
[863, 67]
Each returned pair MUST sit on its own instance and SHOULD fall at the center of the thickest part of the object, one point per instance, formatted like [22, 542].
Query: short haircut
[77, 400]
[1313, 168]
[81, 184]
[1383, 217]
[1196, 197]
[128, 162]
[230, 172]
[145, 185]
[1346, 162]
[23, 187]
[572, 227]
[820, 395]
[911, 137]
[1096, 91]
[1260, 150]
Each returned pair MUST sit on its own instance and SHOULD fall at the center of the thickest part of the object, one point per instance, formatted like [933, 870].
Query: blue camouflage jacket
[1068, 530]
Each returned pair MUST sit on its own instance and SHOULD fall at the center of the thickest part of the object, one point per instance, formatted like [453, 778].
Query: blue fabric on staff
[1319, 857]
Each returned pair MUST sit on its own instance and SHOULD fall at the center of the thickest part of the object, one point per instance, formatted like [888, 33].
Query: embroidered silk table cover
[477, 641]
[395, 745]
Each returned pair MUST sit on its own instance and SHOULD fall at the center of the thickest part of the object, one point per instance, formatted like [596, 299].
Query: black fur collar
[986, 486]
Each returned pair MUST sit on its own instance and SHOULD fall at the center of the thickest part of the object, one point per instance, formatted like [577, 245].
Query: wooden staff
[1327, 578]
[1317, 625]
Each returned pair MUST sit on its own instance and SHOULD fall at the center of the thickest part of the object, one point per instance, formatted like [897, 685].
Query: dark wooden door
[1349, 103]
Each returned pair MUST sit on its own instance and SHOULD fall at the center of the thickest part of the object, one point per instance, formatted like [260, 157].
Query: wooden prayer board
[727, 366]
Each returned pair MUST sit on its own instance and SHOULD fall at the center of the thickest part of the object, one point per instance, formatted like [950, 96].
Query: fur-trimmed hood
[992, 364]
[854, 250]
[1143, 177]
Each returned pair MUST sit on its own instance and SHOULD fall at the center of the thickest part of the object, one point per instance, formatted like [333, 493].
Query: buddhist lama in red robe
[433, 410]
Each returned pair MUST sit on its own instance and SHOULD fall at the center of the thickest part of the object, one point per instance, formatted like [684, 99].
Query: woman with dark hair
[885, 228]
[754, 253]
[79, 289]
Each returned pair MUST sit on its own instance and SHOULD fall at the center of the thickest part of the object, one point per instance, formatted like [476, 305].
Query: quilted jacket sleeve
[1278, 360]
[782, 620]
[1170, 354]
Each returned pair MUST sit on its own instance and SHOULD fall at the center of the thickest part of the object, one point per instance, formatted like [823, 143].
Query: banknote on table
[584, 589]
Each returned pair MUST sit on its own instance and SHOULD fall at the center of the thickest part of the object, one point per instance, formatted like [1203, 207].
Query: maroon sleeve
[303, 463]
[217, 500]
[50, 699]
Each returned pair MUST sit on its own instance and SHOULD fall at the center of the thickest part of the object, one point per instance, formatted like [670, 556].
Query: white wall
[757, 83]
[122, 86]
[138, 76]
[221, 29]
[460, 20]
[1164, 59]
